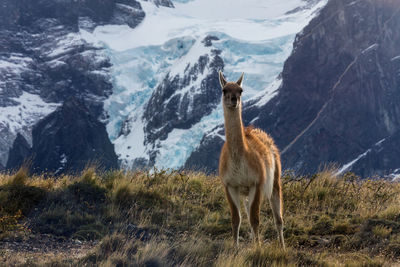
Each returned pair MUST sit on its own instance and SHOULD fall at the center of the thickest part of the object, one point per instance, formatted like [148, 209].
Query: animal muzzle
[234, 102]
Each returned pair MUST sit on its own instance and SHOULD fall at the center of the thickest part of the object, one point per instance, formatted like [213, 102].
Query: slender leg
[232, 193]
[247, 206]
[276, 206]
[255, 203]
[247, 209]
[249, 200]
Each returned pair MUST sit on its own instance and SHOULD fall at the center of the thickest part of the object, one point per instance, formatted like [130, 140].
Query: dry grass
[177, 218]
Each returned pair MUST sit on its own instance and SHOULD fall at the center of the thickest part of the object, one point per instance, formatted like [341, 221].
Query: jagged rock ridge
[180, 102]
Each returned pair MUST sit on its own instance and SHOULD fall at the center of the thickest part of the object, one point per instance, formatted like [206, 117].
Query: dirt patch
[42, 249]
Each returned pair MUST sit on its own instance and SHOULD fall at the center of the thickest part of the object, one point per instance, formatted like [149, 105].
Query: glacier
[254, 37]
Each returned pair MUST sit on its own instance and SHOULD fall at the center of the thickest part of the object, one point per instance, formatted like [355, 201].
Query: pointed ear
[222, 80]
[239, 82]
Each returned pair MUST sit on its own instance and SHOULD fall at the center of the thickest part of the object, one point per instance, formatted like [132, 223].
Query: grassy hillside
[175, 218]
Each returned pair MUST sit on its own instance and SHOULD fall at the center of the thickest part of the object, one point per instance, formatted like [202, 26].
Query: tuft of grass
[343, 227]
[16, 195]
[88, 188]
[361, 260]
[381, 231]
[75, 209]
[268, 256]
[21, 177]
[323, 226]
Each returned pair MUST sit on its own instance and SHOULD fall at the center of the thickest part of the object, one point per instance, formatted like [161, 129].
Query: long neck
[234, 130]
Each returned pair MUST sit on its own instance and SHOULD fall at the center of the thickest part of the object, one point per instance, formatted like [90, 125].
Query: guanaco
[249, 165]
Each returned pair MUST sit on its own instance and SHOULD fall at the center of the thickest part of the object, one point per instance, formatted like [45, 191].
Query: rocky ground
[41, 249]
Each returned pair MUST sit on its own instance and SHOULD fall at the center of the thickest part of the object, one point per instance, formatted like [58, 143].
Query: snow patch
[198, 49]
[265, 96]
[353, 3]
[132, 9]
[31, 109]
[347, 166]
[370, 48]
[252, 21]
[236, 9]
[395, 176]
[12, 67]
[216, 132]
[20, 118]
[395, 58]
[16, 67]
[65, 44]
[63, 162]
[131, 146]
[260, 61]
[380, 142]
[180, 143]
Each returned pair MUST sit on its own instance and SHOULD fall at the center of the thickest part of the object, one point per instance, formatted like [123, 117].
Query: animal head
[232, 91]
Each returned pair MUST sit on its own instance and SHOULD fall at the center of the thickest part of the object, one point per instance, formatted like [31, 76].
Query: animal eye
[241, 91]
[224, 91]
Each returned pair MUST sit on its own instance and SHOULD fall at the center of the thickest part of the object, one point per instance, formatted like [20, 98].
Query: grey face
[231, 95]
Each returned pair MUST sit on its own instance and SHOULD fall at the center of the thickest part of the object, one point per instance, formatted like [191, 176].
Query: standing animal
[249, 165]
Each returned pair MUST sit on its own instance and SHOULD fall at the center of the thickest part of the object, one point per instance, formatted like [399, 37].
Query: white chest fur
[240, 174]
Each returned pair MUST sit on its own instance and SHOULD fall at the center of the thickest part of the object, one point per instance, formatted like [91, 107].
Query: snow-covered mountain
[166, 94]
[339, 101]
[48, 72]
[134, 83]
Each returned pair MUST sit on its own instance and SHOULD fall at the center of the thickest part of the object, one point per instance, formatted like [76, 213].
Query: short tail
[277, 189]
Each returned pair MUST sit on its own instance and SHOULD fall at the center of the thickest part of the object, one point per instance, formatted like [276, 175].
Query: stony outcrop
[19, 153]
[66, 141]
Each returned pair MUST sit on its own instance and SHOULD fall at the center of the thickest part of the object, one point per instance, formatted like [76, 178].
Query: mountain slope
[166, 92]
[65, 141]
[339, 98]
[44, 62]
[147, 71]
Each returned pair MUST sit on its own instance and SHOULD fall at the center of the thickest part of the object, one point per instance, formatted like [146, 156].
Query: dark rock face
[180, 102]
[25, 12]
[340, 92]
[66, 140]
[383, 156]
[127, 12]
[19, 153]
[38, 40]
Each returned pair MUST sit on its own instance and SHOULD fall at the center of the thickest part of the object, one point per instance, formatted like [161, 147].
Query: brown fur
[249, 164]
